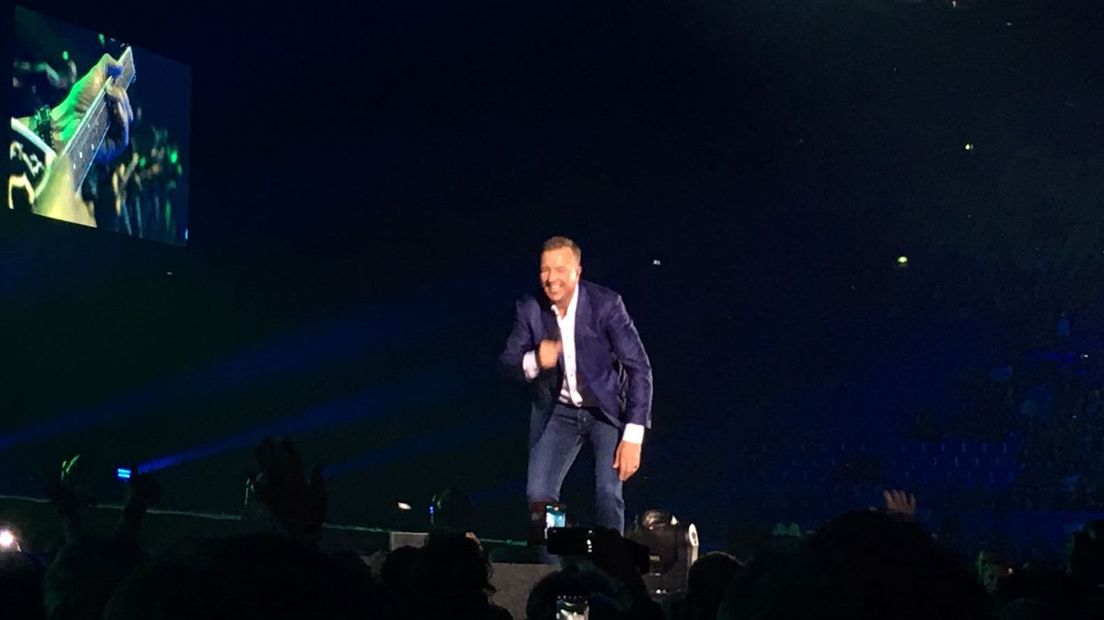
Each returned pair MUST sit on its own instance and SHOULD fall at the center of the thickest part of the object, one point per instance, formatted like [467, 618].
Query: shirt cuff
[529, 365]
[634, 433]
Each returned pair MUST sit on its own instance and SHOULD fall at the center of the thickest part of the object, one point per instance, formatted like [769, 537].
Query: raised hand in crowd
[900, 503]
[296, 500]
[68, 492]
[143, 491]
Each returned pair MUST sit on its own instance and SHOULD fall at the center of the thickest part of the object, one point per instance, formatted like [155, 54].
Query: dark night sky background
[370, 186]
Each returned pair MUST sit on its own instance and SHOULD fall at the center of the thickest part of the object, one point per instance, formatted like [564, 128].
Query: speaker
[407, 539]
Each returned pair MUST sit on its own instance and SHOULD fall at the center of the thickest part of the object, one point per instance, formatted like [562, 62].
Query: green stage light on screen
[174, 156]
[103, 40]
[142, 162]
[65, 55]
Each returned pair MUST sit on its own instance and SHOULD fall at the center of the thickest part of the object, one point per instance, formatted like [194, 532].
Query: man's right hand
[549, 353]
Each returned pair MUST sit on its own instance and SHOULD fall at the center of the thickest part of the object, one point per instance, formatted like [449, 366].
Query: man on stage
[590, 377]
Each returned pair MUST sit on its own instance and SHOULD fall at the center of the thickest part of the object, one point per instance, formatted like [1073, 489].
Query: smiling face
[559, 272]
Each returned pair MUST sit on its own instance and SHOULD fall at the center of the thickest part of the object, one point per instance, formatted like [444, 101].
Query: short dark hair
[557, 242]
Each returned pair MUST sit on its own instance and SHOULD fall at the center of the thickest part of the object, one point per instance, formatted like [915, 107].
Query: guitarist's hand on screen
[57, 199]
[68, 114]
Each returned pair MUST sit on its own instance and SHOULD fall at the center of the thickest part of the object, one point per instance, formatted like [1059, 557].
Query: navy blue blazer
[608, 354]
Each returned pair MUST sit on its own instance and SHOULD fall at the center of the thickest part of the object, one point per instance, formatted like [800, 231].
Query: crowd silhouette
[862, 564]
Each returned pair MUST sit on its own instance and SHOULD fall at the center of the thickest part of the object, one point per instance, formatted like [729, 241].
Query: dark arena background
[862, 243]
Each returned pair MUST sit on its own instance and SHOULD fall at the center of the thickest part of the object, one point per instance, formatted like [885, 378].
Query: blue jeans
[552, 454]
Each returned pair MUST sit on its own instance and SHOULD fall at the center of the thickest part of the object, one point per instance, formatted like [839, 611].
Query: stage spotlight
[8, 540]
[404, 506]
[672, 549]
[123, 473]
[452, 510]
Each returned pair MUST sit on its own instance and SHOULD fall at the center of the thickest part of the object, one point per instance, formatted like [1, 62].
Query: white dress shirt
[570, 392]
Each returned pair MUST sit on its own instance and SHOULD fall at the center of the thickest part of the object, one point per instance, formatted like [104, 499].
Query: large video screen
[99, 131]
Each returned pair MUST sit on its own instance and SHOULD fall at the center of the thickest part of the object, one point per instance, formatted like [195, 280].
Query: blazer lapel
[551, 332]
[551, 326]
[583, 316]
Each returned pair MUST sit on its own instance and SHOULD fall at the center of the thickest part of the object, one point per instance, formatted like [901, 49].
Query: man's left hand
[627, 459]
